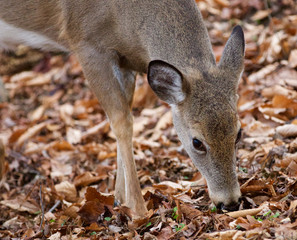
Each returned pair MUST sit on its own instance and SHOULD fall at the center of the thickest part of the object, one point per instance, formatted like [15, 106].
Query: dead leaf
[292, 167]
[95, 205]
[190, 212]
[165, 233]
[93, 195]
[257, 128]
[281, 101]
[259, 15]
[29, 133]
[169, 187]
[73, 136]
[72, 211]
[66, 112]
[21, 204]
[293, 58]
[59, 168]
[90, 211]
[163, 123]
[28, 234]
[86, 179]
[229, 234]
[288, 130]
[62, 146]
[67, 190]
[23, 76]
[223, 3]
[94, 227]
[101, 128]
[254, 77]
[55, 236]
[272, 91]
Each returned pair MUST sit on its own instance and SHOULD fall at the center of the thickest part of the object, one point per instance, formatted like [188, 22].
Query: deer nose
[234, 206]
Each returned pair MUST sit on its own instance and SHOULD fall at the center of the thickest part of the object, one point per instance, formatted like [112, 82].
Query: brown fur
[114, 38]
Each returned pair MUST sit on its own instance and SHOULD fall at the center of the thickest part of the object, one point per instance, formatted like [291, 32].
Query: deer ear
[166, 81]
[233, 54]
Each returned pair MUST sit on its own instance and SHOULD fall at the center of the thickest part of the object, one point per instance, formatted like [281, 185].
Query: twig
[55, 206]
[42, 208]
[269, 14]
[248, 181]
[243, 213]
[39, 234]
[31, 189]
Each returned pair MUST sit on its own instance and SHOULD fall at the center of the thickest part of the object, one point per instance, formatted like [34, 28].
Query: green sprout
[179, 227]
[274, 216]
[174, 214]
[213, 209]
[148, 224]
[243, 169]
[268, 213]
[63, 223]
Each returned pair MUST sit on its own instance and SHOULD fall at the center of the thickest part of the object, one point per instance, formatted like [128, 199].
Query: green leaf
[63, 223]
[93, 233]
[276, 214]
[148, 224]
[174, 215]
[175, 209]
[179, 227]
[214, 209]
[52, 220]
[243, 169]
[107, 219]
[268, 213]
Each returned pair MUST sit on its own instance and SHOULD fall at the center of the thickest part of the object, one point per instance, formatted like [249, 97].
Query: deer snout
[226, 199]
[232, 207]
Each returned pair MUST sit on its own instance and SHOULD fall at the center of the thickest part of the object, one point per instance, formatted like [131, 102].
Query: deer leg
[120, 187]
[114, 89]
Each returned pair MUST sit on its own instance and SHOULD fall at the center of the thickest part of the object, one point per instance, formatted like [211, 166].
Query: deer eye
[238, 136]
[198, 145]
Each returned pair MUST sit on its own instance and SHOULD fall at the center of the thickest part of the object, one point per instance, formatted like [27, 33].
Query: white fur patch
[11, 36]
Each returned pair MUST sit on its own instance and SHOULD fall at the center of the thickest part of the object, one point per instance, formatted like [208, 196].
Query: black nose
[230, 207]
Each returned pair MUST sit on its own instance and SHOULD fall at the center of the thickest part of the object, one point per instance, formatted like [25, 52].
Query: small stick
[248, 181]
[42, 208]
[55, 206]
[243, 213]
[269, 15]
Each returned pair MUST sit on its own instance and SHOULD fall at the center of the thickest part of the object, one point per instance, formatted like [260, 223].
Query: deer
[168, 40]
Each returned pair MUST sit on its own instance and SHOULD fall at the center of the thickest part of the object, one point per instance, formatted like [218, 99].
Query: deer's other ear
[233, 54]
[167, 82]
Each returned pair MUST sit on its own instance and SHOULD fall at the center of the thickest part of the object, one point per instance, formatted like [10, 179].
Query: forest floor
[60, 154]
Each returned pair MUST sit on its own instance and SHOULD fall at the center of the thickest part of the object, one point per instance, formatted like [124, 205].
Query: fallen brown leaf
[67, 190]
[86, 179]
[21, 204]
